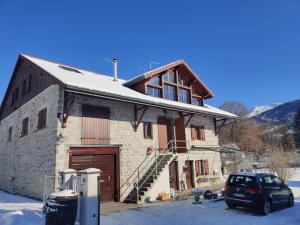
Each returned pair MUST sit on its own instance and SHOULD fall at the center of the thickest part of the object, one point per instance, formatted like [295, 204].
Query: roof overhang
[115, 97]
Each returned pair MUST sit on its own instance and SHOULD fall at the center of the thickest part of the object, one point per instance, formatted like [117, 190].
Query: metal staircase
[144, 176]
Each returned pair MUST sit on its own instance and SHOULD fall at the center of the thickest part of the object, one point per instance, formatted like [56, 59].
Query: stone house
[153, 133]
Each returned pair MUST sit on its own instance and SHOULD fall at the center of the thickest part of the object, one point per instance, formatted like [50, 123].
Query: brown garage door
[104, 159]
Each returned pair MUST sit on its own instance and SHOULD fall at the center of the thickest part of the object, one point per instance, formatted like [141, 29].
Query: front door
[180, 135]
[189, 174]
[164, 134]
[173, 168]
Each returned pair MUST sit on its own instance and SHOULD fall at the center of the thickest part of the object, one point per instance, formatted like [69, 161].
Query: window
[15, 96]
[153, 91]
[42, 118]
[184, 95]
[181, 81]
[197, 101]
[155, 81]
[169, 92]
[246, 181]
[147, 130]
[169, 77]
[26, 85]
[9, 138]
[198, 133]
[267, 181]
[201, 167]
[25, 123]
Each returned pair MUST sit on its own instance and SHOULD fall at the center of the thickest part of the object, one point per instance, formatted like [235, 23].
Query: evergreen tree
[297, 129]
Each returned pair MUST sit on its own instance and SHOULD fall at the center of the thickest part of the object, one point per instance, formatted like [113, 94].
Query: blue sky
[247, 51]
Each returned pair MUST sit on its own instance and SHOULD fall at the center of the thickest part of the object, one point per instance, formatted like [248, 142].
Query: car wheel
[267, 207]
[230, 205]
[291, 201]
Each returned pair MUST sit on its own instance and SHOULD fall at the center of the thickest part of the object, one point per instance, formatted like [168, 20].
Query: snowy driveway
[16, 210]
[216, 213]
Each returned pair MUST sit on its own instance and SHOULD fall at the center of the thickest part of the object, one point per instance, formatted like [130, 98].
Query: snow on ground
[216, 213]
[16, 210]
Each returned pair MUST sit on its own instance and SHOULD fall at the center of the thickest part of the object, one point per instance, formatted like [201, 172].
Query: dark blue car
[260, 191]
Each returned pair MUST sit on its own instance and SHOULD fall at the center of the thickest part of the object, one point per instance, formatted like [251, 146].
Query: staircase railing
[150, 159]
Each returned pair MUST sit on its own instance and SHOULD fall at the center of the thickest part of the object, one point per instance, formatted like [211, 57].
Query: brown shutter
[194, 132]
[202, 133]
[206, 168]
[44, 117]
[39, 125]
[197, 168]
[95, 125]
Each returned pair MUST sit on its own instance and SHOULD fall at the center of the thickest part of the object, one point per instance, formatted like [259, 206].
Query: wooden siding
[25, 70]
[95, 125]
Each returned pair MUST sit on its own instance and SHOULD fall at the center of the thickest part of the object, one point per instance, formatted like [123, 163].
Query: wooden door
[105, 159]
[180, 135]
[189, 174]
[106, 163]
[173, 170]
[163, 133]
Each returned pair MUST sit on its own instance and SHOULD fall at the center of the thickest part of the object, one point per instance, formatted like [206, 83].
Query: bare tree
[246, 133]
[279, 162]
[236, 108]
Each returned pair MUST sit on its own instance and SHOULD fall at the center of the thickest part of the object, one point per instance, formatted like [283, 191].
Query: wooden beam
[189, 119]
[137, 120]
[69, 101]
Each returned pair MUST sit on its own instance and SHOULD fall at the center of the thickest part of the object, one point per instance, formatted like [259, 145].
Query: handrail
[135, 175]
[138, 170]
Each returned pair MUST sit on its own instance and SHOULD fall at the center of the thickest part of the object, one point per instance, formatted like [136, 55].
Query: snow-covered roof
[78, 79]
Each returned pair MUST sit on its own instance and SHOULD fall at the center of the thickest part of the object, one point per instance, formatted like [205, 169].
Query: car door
[284, 191]
[271, 189]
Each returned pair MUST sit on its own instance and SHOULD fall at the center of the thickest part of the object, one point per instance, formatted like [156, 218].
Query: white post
[89, 197]
[66, 178]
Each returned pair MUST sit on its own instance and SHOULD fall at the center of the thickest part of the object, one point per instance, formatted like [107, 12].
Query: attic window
[69, 69]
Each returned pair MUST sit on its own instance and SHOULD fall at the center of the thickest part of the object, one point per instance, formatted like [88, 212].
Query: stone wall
[134, 146]
[24, 161]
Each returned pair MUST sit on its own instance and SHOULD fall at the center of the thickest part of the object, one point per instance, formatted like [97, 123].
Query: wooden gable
[27, 81]
[182, 70]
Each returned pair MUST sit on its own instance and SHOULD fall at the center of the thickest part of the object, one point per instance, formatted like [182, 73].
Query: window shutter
[197, 168]
[194, 132]
[44, 117]
[95, 125]
[39, 125]
[206, 168]
[202, 133]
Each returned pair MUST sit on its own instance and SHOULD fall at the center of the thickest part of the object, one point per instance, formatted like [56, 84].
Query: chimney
[115, 62]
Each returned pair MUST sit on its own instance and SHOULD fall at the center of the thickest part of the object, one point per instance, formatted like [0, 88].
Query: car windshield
[241, 180]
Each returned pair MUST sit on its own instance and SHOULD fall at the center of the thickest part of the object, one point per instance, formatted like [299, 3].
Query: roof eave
[137, 101]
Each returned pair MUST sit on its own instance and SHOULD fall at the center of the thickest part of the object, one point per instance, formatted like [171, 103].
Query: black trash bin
[61, 208]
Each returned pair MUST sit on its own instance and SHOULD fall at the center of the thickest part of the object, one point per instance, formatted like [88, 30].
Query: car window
[241, 180]
[267, 181]
[278, 181]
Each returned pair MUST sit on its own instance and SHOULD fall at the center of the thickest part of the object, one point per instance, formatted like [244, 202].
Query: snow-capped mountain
[260, 109]
[283, 113]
